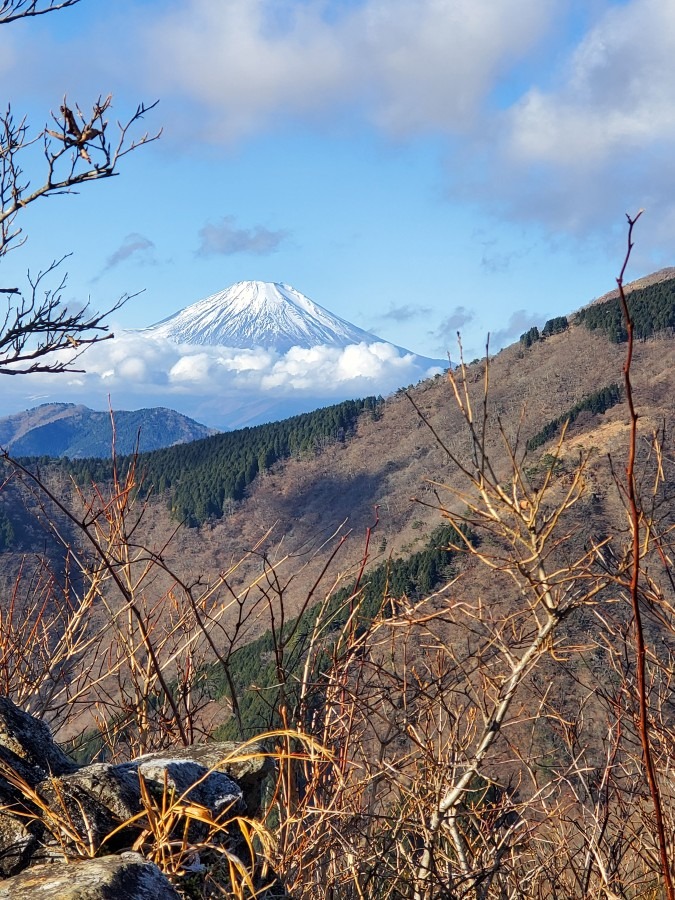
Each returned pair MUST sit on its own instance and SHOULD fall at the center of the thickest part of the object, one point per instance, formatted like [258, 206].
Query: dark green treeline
[260, 671]
[597, 402]
[652, 309]
[201, 477]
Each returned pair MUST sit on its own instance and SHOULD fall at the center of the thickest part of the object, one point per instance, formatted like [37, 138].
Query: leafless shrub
[78, 146]
[472, 744]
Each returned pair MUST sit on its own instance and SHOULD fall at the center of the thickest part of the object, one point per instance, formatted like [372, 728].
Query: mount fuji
[255, 352]
[264, 314]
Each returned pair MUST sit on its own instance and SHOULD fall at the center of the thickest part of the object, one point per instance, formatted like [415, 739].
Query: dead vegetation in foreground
[510, 742]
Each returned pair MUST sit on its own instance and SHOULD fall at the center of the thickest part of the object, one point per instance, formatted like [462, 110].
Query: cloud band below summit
[215, 382]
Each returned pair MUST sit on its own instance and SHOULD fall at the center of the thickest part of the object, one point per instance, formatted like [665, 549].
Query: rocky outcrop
[248, 766]
[124, 877]
[28, 754]
[27, 746]
[53, 810]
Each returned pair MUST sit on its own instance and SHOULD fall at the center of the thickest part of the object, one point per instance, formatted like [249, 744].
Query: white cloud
[435, 61]
[137, 370]
[133, 369]
[571, 144]
[226, 58]
[191, 370]
[595, 143]
[242, 66]
[616, 97]
[568, 142]
[568, 139]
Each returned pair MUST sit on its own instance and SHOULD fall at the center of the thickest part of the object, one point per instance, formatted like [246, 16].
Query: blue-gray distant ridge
[75, 431]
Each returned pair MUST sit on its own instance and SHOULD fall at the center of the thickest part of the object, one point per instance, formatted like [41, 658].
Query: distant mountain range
[66, 429]
[264, 314]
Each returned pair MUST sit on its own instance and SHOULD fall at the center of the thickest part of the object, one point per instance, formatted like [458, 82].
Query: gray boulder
[247, 764]
[124, 877]
[94, 801]
[20, 842]
[27, 746]
[27, 750]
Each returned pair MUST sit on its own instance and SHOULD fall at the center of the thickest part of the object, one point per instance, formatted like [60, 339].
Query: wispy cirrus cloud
[407, 312]
[134, 245]
[224, 238]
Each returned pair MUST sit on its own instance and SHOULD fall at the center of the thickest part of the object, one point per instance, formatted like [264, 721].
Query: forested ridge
[261, 669]
[89, 433]
[200, 477]
[597, 402]
[652, 309]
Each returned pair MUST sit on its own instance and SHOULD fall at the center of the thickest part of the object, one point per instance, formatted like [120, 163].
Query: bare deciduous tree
[77, 147]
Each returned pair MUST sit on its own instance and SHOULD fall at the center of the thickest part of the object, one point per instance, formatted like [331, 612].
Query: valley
[377, 582]
[337, 475]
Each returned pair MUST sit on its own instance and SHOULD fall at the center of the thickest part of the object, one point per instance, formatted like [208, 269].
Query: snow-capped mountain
[260, 314]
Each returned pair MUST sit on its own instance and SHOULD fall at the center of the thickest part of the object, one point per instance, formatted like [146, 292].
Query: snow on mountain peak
[259, 314]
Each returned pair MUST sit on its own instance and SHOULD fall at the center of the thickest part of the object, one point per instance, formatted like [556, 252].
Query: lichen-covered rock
[124, 877]
[99, 806]
[248, 764]
[95, 800]
[19, 843]
[27, 746]
[27, 750]
[111, 786]
[184, 778]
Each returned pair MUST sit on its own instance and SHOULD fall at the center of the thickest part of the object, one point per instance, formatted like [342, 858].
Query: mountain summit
[260, 314]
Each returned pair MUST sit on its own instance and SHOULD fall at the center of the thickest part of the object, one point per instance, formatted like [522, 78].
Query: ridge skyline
[269, 314]
[226, 387]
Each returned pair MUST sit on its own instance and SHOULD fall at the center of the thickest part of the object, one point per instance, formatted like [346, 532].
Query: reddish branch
[634, 513]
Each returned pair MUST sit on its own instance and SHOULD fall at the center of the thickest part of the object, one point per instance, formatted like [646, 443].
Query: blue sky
[415, 166]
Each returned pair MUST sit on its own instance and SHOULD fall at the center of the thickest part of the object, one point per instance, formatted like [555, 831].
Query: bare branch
[34, 330]
[76, 150]
[11, 10]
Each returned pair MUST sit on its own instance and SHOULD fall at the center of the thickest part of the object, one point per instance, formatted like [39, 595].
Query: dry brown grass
[481, 743]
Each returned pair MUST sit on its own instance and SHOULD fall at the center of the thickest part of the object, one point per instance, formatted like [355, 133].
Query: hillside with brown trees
[436, 616]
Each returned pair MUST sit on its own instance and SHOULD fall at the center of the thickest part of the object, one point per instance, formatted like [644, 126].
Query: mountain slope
[393, 455]
[294, 514]
[204, 480]
[647, 281]
[64, 429]
[260, 314]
